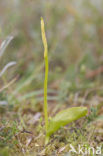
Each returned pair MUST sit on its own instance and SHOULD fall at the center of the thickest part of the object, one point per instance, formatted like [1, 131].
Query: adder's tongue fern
[64, 117]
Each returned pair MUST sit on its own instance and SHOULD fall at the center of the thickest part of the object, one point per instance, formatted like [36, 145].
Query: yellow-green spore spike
[44, 38]
[46, 73]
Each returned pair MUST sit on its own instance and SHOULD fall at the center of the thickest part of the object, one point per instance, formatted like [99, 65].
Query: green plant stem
[46, 77]
[45, 93]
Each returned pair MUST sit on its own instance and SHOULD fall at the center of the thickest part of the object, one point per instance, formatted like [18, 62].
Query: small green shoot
[64, 117]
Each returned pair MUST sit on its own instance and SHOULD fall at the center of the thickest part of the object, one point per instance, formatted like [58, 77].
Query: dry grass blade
[4, 44]
[8, 85]
[6, 67]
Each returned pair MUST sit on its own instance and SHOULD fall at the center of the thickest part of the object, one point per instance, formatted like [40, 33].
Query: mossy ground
[22, 132]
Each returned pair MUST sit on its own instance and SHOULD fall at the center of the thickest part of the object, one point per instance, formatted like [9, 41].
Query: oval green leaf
[65, 117]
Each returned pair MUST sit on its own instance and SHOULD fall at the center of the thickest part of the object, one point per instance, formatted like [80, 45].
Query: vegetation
[74, 31]
[64, 117]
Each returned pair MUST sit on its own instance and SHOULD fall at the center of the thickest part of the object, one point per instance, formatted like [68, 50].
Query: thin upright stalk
[46, 73]
[45, 94]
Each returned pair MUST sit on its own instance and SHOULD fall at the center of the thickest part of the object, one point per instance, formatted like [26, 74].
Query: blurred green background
[74, 32]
